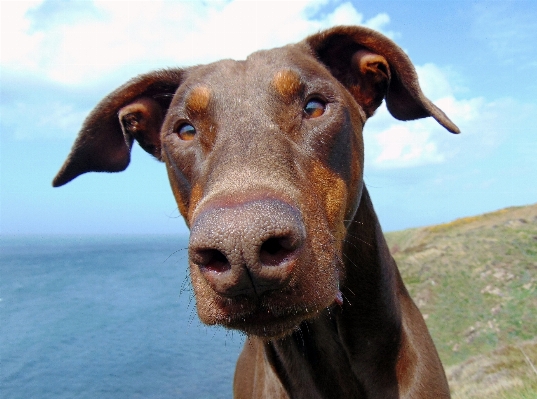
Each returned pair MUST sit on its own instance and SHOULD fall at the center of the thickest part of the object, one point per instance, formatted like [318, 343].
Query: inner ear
[373, 79]
[142, 120]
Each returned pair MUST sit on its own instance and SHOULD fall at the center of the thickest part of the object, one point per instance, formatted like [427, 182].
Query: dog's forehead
[281, 69]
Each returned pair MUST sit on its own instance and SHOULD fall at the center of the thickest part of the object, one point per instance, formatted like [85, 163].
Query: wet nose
[247, 248]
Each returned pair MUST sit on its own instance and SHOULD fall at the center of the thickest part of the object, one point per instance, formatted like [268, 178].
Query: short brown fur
[285, 244]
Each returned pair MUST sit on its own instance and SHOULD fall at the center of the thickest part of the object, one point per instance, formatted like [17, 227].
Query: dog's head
[265, 160]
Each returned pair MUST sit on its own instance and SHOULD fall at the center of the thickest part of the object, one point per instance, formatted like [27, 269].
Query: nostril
[212, 260]
[272, 246]
[277, 250]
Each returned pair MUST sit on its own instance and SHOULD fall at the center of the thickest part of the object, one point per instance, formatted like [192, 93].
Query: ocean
[106, 317]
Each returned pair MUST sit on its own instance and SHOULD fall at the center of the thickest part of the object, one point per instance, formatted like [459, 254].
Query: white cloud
[434, 81]
[150, 34]
[17, 44]
[402, 145]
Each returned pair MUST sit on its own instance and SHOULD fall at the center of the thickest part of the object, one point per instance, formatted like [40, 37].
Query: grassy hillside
[475, 281]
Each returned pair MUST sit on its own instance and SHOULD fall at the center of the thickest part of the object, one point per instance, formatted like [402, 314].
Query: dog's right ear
[372, 67]
[135, 110]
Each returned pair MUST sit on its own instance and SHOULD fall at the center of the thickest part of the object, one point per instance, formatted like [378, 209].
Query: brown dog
[265, 160]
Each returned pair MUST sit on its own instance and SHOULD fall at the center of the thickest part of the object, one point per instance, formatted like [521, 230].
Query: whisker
[173, 253]
[353, 221]
[163, 95]
[359, 239]
[185, 285]
[176, 209]
[345, 298]
[351, 243]
[329, 314]
[192, 317]
[349, 259]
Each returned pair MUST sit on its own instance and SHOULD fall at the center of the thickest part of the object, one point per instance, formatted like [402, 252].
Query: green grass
[475, 281]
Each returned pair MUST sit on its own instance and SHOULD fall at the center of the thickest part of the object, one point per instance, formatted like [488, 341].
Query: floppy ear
[372, 67]
[135, 110]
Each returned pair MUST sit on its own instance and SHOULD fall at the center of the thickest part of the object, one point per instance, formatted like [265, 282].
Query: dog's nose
[247, 248]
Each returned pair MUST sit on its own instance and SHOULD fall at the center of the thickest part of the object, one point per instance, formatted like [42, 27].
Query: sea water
[106, 317]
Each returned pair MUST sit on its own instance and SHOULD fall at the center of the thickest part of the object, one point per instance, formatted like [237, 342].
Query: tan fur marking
[287, 83]
[198, 100]
[183, 207]
[195, 197]
[334, 194]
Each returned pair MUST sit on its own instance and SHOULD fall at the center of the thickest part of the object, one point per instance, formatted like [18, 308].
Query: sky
[477, 60]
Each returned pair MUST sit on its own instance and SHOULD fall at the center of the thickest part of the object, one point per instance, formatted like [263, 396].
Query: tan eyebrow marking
[198, 99]
[287, 83]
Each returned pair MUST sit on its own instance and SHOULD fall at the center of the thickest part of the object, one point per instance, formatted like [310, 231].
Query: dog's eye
[314, 108]
[185, 131]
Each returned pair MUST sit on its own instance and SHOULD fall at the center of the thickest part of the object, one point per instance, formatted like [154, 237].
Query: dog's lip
[265, 323]
[267, 317]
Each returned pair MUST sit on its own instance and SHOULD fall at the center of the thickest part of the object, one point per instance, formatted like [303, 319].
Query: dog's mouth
[270, 317]
[264, 323]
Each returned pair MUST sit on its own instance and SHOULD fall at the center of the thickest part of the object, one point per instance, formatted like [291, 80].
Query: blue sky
[477, 60]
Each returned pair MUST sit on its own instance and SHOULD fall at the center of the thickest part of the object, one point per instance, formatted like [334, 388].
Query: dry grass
[502, 373]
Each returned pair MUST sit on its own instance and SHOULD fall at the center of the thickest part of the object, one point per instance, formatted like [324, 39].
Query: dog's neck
[353, 347]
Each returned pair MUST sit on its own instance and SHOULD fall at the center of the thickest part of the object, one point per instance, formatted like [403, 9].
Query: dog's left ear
[372, 67]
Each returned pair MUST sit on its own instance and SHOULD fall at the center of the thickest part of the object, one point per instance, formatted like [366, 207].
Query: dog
[265, 160]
